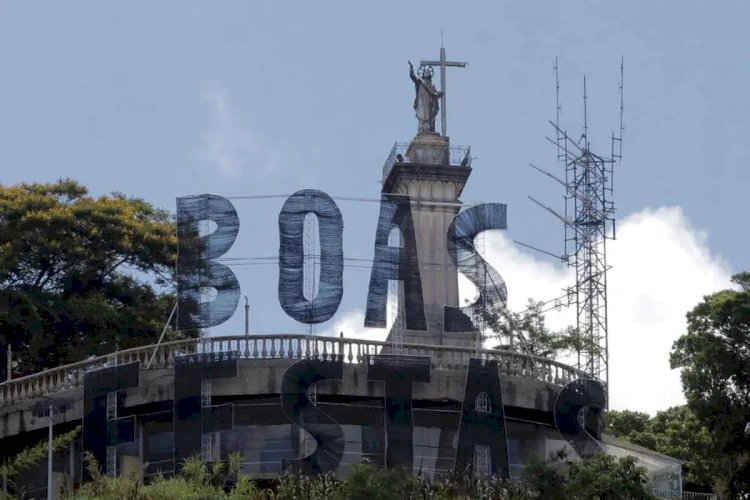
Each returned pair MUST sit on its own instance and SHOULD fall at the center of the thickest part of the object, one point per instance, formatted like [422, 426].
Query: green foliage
[606, 477]
[714, 355]
[292, 486]
[539, 340]
[545, 477]
[80, 276]
[634, 426]
[601, 477]
[36, 454]
[675, 432]
[383, 484]
[681, 435]
[199, 481]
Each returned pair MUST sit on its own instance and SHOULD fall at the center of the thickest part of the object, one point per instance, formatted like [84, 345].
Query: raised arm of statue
[411, 72]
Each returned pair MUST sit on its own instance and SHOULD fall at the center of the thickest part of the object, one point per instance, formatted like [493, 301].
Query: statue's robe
[426, 104]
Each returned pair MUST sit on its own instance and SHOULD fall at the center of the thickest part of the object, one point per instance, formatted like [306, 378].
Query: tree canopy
[538, 339]
[714, 355]
[676, 432]
[80, 276]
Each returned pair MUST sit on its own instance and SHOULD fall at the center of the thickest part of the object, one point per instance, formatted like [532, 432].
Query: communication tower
[589, 221]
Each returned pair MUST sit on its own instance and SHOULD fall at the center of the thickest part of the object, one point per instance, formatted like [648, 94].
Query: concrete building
[427, 399]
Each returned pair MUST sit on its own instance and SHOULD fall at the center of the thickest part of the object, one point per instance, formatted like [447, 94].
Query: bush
[365, 481]
[545, 478]
[602, 477]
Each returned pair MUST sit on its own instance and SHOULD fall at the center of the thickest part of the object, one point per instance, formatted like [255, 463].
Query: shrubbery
[603, 477]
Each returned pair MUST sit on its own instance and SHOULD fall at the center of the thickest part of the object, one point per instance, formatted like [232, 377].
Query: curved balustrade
[282, 347]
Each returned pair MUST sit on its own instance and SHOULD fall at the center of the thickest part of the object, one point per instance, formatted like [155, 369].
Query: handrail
[284, 347]
[681, 495]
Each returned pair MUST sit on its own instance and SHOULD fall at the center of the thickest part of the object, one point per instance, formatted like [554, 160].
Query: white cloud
[228, 145]
[662, 267]
[525, 275]
[351, 323]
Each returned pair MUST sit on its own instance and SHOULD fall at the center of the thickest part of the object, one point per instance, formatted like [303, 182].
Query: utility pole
[9, 364]
[49, 452]
[247, 317]
[48, 407]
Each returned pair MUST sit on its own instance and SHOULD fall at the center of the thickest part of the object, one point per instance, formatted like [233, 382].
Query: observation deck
[264, 352]
[458, 156]
[257, 427]
[246, 409]
[276, 347]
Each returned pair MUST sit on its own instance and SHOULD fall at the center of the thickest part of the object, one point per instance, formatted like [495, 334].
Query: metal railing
[399, 148]
[282, 346]
[685, 495]
[458, 155]
[692, 495]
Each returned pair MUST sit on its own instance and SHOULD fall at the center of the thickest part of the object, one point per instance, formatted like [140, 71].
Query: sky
[160, 100]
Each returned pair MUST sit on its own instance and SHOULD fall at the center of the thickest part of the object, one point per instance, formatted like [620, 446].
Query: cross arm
[447, 63]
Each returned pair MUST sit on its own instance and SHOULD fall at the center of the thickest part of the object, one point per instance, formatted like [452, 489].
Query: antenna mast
[589, 222]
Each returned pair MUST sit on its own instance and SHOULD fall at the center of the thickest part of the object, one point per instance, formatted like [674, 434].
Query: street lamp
[47, 407]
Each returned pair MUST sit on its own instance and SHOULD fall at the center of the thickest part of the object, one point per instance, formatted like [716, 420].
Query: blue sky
[165, 99]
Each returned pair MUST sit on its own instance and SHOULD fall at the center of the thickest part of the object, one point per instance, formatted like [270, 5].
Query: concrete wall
[263, 377]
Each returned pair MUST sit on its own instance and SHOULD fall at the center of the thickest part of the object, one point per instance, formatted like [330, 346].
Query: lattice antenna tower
[589, 221]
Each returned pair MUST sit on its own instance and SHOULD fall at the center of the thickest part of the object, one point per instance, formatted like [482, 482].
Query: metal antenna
[557, 105]
[585, 116]
[622, 105]
[588, 222]
[561, 155]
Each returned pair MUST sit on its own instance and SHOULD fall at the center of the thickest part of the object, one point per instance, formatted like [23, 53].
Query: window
[312, 394]
[482, 403]
[482, 460]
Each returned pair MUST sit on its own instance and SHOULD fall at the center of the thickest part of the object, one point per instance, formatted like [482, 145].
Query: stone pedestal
[429, 148]
[434, 186]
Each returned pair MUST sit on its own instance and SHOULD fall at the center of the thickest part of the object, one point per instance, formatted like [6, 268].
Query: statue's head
[426, 72]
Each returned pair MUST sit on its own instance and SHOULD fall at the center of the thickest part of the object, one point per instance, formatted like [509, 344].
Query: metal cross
[443, 64]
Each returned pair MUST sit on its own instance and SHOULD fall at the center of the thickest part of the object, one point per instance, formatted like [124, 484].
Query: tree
[681, 435]
[714, 355]
[546, 478]
[601, 476]
[634, 426]
[675, 432]
[604, 476]
[80, 276]
[538, 339]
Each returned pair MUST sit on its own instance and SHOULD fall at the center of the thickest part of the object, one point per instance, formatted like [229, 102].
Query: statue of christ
[426, 103]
